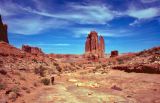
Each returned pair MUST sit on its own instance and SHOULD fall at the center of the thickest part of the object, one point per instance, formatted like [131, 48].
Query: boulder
[114, 53]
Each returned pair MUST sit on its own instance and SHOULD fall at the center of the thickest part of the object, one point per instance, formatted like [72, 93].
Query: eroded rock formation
[114, 53]
[94, 46]
[101, 47]
[33, 50]
[3, 31]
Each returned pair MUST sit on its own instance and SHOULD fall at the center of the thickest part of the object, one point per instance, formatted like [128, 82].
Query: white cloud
[73, 13]
[144, 13]
[9, 8]
[95, 14]
[148, 1]
[135, 22]
[58, 44]
[104, 32]
[33, 25]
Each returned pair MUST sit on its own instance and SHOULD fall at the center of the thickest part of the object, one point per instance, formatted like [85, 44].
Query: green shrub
[45, 81]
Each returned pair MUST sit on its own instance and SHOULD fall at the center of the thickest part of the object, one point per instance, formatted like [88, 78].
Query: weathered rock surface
[3, 31]
[33, 50]
[94, 46]
[147, 61]
[143, 68]
[101, 46]
[114, 53]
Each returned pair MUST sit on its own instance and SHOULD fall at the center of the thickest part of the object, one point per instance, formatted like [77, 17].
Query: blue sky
[61, 26]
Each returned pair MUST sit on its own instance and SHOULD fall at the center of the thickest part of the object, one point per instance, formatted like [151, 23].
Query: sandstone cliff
[33, 50]
[3, 31]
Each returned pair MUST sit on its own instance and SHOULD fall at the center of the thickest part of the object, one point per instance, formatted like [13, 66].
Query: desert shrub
[55, 64]
[120, 61]
[15, 89]
[45, 81]
[103, 65]
[2, 86]
[34, 60]
[13, 93]
[40, 71]
[59, 69]
[98, 67]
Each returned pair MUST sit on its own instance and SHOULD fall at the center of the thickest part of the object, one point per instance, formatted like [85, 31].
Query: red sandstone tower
[3, 31]
[94, 46]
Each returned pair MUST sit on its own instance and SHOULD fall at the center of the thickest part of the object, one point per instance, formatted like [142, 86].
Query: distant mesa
[3, 31]
[114, 53]
[32, 50]
[94, 46]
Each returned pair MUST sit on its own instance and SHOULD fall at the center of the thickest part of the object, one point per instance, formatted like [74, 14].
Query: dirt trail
[70, 93]
[97, 88]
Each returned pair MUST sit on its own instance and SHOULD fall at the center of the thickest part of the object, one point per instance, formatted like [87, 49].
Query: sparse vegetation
[15, 89]
[2, 86]
[34, 60]
[40, 71]
[59, 68]
[45, 81]
[98, 67]
[120, 61]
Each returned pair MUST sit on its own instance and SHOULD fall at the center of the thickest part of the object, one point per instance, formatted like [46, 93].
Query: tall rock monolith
[3, 31]
[94, 46]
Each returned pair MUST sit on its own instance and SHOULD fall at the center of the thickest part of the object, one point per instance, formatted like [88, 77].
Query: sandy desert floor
[112, 87]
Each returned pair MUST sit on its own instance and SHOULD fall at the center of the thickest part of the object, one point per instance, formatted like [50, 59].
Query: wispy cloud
[22, 22]
[104, 32]
[40, 17]
[144, 13]
[33, 25]
[36, 22]
[148, 1]
[9, 8]
[82, 14]
[58, 44]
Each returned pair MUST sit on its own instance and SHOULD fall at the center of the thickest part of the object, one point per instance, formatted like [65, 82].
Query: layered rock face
[114, 53]
[3, 31]
[94, 46]
[33, 50]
